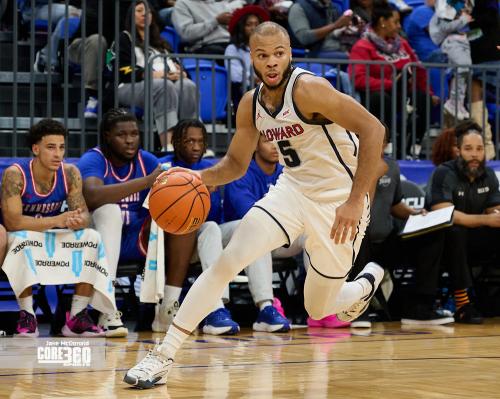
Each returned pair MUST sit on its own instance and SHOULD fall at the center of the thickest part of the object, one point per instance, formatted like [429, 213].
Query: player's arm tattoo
[12, 184]
[75, 198]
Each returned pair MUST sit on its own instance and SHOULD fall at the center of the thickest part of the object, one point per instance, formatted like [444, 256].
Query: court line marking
[116, 349]
[284, 363]
[339, 341]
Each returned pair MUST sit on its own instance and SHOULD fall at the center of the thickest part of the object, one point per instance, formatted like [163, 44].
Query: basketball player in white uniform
[325, 182]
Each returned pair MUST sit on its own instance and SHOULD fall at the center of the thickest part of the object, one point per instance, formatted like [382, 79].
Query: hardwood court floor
[388, 362]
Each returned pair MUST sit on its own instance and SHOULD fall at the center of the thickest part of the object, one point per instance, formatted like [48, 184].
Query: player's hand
[493, 219]
[421, 211]
[175, 169]
[173, 76]
[435, 100]
[61, 220]
[153, 176]
[75, 220]
[346, 221]
[224, 18]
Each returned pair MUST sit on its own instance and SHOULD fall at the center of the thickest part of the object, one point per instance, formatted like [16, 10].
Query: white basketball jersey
[320, 159]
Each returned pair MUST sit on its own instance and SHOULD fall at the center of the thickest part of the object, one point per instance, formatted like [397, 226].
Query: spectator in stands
[202, 24]
[382, 42]
[363, 9]
[173, 94]
[278, 10]
[33, 193]
[164, 9]
[383, 245]
[445, 147]
[60, 24]
[486, 18]
[472, 187]
[317, 25]
[94, 50]
[361, 16]
[401, 6]
[190, 143]
[117, 177]
[417, 31]
[447, 30]
[242, 24]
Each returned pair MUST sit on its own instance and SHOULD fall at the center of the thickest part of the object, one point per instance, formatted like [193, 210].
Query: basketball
[179, 202]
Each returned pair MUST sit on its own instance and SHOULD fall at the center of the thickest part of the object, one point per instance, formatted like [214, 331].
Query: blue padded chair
[323, 70]
[170, 35]
[212, 82]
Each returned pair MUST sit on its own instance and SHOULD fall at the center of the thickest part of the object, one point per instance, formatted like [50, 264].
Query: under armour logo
[259, 115]
[286, 112]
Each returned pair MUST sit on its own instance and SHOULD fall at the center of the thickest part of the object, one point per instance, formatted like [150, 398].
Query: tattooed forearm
[75, 198]
[12, 183]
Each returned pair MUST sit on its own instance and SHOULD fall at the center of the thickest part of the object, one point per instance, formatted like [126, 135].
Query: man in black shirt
[383, 245]
[472, 187]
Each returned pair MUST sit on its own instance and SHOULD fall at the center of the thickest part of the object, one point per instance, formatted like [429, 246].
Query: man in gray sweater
[202, 24]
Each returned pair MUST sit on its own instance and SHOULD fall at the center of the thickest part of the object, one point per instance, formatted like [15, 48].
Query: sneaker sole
[144, 384]
[361, 324]
[436, 322]
[264, 327]
[226, 330]
[27, 335]
[87, 334]
[119, 332]
[344, 316]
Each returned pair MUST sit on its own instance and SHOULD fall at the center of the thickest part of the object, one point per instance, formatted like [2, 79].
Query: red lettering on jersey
[298, 129]
[276, 133]
[282, 132]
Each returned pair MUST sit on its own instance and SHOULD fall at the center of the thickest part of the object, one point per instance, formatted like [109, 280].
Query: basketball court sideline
[388, 361]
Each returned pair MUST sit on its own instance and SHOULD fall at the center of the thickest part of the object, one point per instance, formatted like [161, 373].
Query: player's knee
[209, 229]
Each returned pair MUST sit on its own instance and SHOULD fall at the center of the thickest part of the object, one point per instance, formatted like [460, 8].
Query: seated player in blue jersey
[190, 142]
[117, 177]
[33, 193]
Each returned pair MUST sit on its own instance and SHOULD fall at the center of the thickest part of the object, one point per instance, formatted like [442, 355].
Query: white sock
[219, 305]
[79, 303]
[171, 294]
[26, 304]
[263, 304]
[172, 342]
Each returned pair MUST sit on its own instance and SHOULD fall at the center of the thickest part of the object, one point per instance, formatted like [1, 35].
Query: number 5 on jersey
[290, 156]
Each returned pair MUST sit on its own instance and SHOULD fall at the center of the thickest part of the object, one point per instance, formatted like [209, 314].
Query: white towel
[60, 256]
[153, 283]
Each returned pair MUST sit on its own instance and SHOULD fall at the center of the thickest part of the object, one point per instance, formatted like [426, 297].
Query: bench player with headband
[322, 193]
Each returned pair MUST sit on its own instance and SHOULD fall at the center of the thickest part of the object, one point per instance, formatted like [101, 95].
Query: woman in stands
[382, 42]
[242, 24]
[173, 95]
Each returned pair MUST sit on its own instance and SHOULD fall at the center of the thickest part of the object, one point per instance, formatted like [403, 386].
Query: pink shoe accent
[81, 325]
[327, 322]
[279, 308]
[27, 325]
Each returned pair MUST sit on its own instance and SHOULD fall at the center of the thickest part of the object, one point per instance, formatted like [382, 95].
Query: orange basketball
[179, 202]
